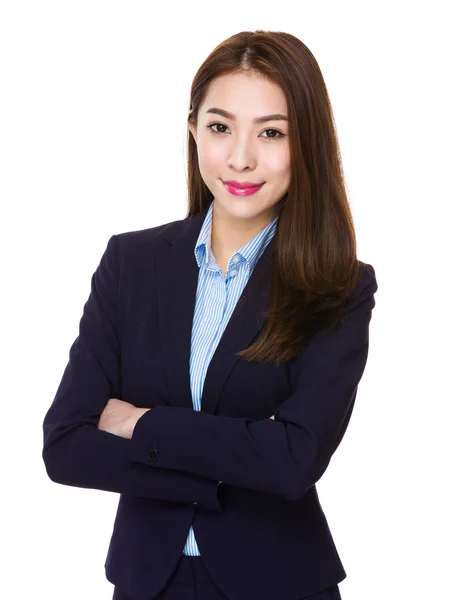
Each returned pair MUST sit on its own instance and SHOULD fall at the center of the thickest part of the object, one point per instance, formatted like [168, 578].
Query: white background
[93, 107]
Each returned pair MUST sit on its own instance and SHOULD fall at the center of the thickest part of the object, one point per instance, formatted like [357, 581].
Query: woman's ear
[193, 130]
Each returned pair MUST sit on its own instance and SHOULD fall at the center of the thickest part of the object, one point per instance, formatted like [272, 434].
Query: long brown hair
[313, 257]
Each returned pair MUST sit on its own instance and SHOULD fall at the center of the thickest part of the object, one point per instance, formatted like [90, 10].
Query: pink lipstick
[244, 188]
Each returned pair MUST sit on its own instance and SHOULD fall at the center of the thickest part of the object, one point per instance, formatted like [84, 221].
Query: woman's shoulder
[150, 234]
[145, 240]
[367, 276]
[365, 288]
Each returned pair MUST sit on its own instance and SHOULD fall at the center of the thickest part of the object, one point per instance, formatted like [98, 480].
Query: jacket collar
[176, 273]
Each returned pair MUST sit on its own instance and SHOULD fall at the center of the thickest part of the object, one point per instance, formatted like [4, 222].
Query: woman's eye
[269, 137]
[215, 125]
[274, 131]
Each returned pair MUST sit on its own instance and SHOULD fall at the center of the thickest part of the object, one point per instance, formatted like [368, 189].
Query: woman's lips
[242, 191]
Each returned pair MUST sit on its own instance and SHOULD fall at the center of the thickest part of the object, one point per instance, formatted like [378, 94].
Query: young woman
[219, 356]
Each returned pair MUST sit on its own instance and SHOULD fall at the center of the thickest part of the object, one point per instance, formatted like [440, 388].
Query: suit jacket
[262, 533]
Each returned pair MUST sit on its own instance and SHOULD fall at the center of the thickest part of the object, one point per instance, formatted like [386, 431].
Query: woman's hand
[120, 417]
[272, 417]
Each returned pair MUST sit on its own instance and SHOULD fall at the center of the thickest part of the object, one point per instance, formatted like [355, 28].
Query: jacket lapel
[176, 281]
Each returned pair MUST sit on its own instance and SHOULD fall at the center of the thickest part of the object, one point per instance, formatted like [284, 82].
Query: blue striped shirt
[216, 298]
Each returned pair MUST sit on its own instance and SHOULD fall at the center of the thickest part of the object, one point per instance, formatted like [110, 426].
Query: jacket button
[195, 504]
[153, 455]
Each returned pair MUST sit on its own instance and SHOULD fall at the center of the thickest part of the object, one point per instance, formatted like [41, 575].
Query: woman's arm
[288, 456]
[76, 452]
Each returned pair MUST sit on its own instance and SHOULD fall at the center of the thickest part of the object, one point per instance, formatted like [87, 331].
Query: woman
[218, 357]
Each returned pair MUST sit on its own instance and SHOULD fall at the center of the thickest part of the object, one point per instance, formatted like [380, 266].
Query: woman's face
[235, 147]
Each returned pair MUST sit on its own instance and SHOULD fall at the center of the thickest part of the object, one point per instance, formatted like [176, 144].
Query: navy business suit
[262, 533]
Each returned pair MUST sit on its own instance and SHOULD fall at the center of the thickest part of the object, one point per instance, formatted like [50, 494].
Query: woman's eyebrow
[258, 120]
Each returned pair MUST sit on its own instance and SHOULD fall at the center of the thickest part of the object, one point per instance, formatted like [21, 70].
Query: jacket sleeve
[285, 456]
[75, 451]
